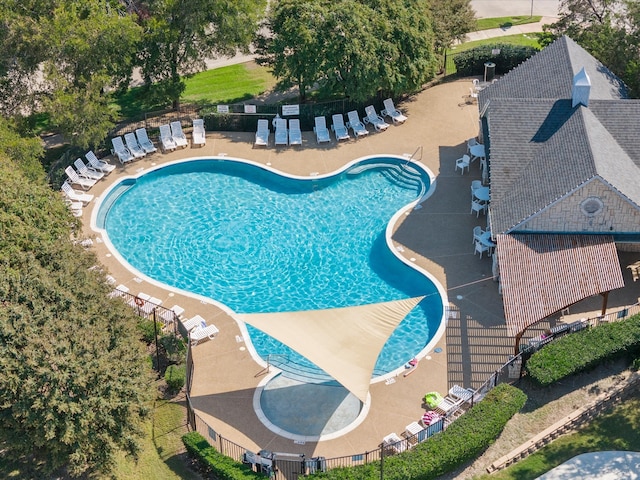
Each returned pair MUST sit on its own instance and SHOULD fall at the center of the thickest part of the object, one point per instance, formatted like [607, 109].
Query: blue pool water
[259, 242]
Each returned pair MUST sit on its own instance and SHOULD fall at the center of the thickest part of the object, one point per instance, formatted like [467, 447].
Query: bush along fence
[471, 62]
[381, 462]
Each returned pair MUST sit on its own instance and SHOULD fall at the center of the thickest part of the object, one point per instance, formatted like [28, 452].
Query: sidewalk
[514, 30]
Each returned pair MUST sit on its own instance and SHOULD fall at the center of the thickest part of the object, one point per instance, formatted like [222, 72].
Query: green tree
[74, 385]
[180, 36]
[26, 152]
[353, 48]
[452, 20]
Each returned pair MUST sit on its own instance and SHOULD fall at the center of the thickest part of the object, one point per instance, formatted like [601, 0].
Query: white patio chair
[178, 135]
[97, 164]
[194, 322]
[338, 127]
[295, 134]
[74, 195]
[201, 333]
[354, 123]
[464, 394]
[143, 139]
[198, 135]
[473, 95]
[82, 182]
[282, 134]
[477, 231]
[481, 248]
[374, 119]
[478, 207]
[462, 163]
[123, 153]
[394, 443]
[87, 172]
[470, 143]
[166, 140]
[134, 147]
[262, 133]
[391, 111]
[321, 131]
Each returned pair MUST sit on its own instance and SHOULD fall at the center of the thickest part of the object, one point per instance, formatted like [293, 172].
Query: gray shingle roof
[541, 148]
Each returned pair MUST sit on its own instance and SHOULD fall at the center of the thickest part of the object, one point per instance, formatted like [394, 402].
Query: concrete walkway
[512, 30]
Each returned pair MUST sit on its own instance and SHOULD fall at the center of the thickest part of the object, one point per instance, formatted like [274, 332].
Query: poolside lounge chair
[394, 443]
[391, 111]
[149, 303]
[322, 133]
[97, 164]
[338, 127]
[75, 196]
[464, 394]
[194, 322]
[354, 123]
[123, 153]
[262, 133]
[87, 172]
[374, 119]
[198, 136]
[167, 141]
[295, 134]
[74, 207]
[119, 291]
[178, 135]
[143, 139]
[282, 134]
[134, 147]
[169, 315]
[202, 333]
[82, 182]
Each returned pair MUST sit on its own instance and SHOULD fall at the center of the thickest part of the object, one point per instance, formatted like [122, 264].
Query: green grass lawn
[524, 39]
[230, 84]
[161, 455]
[616, 430]
[505, 22]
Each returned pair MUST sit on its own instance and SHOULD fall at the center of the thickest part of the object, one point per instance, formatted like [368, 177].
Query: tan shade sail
[344, 342]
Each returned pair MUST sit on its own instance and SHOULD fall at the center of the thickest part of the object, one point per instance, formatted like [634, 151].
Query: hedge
[221, 466]
[583, 350]
[464, 440]
[175, 376]
[471, 62]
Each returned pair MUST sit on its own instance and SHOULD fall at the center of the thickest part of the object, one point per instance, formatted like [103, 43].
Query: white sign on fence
[223, 108]
[290, 110]
[249, 109]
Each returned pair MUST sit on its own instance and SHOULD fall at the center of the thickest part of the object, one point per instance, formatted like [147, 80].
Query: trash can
[489, 71]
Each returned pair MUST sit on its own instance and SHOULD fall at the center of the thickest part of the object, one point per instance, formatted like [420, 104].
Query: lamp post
[531, 14]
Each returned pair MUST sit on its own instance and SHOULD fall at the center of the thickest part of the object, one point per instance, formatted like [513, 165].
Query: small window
[591, 206]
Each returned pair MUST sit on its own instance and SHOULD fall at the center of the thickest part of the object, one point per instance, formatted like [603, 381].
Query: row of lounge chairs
[172, 136]
[291, 134]
[196, 327]
[84, 176]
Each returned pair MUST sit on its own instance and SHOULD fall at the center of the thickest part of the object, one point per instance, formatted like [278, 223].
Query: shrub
[175, 376]
[175, 347]
[147, 332]
[471, 62]
[583, 350]
[464, 440]
[222, 467]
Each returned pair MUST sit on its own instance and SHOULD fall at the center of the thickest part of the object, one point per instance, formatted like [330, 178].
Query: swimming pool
[258, 241]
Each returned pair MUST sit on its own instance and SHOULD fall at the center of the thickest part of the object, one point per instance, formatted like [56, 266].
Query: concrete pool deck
[437, 236]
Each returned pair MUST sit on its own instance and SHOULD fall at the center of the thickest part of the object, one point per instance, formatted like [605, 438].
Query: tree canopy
[352, 47]
[75, 383]
[609, 30]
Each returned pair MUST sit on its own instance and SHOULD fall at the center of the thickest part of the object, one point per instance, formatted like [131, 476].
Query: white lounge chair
[178, 135]
[354, 123]
[87, 172]
[198, 136]
[167, 141]
[123, 153]
[464, 394]
[74, 207]
[82, 182]
[374, 119]
[202, 333]
[143, 139]
[262, 133]
[75, 196]
[295, 134]
[134, 147]
[338, 127]
[119, 291]
[194, 322]
[391, 111]
[282, 134]
[394, 443]
[97, 164]
[168, 316]
[321, 131]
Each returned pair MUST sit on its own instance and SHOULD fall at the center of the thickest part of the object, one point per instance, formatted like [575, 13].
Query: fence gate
[294, 467]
